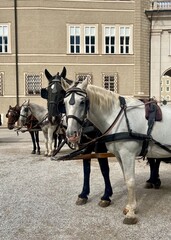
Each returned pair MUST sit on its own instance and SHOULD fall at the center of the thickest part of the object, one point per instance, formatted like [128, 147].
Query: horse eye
[82, 102]
[26, 110]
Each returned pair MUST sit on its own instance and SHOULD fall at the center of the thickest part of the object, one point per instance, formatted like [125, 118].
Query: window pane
[122, 32]
[127, 31]
[87, 32]
[92, 31]
[1, 30]
[72, 31]
[71, 39]
[5, 30]
[107, 40]
[112, 40]
[87, 49]
[6, 48]
[72, 49]
[0, 40]
[107, 49]
[112, 32]
[5, 40]
[77, 39]
[122, 40]
[112, 50]
[127, 40]
[77, 30]
[77, 49]
[87, 40]
[92, 49]
[93, 40]
[107, 31]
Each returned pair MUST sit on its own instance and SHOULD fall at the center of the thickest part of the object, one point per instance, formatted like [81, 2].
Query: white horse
[40, 113]
[103, 109]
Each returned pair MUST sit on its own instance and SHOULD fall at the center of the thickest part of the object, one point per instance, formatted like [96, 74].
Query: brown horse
[13, 115]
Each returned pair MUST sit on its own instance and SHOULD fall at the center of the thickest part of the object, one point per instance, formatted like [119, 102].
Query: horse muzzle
[74, 138]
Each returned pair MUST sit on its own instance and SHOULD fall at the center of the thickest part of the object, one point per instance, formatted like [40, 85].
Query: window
[82, 76]
[167, 82]
[82, 39]
[109, 35]
[4, 39]
[33, 84]
[167, 88]
[1, 83]
[110, 82]
[74, 39]
[89, 33]
[124, 40]
[117, 39]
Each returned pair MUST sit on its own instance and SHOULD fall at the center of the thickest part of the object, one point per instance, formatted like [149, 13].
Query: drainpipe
[150, 57]
[16, 51]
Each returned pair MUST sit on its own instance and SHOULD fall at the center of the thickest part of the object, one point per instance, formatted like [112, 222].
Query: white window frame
[82, 38]
[8, 25]
[117, 38]
[35, 91]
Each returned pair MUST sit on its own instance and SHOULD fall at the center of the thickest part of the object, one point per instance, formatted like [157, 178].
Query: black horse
[55, 96]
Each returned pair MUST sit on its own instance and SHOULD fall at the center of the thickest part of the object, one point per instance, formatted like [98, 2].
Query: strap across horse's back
[151, 107]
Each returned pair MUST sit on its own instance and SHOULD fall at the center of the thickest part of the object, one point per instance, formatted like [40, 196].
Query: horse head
[25, 113]
[54, 94]
[76, 104]
[12, 114]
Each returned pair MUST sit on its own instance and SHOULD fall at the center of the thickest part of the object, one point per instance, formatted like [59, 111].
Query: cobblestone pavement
[37, 198]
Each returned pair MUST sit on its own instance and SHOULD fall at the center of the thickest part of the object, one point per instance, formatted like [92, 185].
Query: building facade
[105, 39]
[159, 15]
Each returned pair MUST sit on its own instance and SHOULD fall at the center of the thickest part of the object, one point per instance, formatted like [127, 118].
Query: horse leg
[33, 141]
[59, 139]
[127, 160]
[104, 167]
[46, 142]
[83, 196]
[55, 136]
[37, 141]
[154, 180]
[50, 141]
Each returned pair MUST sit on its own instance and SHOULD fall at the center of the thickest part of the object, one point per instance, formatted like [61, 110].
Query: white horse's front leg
[46, 143]
[50, 141]
[128, 163]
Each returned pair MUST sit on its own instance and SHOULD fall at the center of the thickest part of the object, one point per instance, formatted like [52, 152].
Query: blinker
[72, 99]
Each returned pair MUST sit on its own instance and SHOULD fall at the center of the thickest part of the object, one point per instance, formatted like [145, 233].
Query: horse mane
[105, 99]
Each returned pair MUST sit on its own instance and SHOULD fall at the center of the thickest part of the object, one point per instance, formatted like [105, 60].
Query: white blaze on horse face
[73, 112]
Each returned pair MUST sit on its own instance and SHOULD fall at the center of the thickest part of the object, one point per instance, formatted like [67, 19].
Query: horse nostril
[75, 134]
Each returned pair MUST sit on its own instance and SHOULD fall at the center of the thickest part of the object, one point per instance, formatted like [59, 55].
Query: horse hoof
[38, 152]
[104, 203]
[148, 185]
[81, 201]
[130, 221]
[33, 152]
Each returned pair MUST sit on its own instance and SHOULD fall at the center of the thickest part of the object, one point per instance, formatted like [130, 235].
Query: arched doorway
[166, 85]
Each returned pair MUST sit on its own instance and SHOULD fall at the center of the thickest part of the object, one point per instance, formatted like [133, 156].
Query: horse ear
[63, 73]
[48, 75]
[64, 84]
[84, 83]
